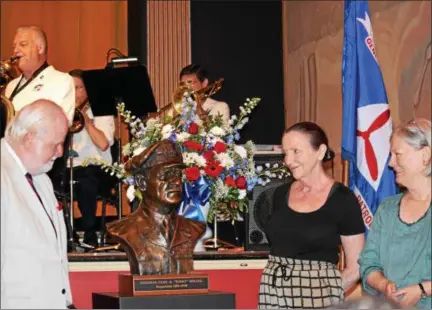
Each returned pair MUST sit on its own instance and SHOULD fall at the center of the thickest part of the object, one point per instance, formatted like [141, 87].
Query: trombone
[177, 101]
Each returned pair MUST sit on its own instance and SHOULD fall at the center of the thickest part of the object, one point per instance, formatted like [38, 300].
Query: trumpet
[79, 121]
[177, 101]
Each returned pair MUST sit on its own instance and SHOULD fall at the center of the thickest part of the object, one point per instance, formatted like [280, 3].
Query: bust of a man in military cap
[156, 239]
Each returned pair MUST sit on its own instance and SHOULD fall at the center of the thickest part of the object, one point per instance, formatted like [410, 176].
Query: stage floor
[236, 254]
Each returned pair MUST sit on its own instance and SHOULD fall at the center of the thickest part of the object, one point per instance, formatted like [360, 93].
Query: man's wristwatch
[423, 292]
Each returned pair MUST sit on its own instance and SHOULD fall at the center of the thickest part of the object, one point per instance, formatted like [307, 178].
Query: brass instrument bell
[6, 67]
[78, 120]
[198, 96]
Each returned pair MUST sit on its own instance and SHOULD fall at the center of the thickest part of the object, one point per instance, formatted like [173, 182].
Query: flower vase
[208, 232]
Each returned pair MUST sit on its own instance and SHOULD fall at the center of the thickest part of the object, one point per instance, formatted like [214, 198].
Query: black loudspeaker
[259, 206]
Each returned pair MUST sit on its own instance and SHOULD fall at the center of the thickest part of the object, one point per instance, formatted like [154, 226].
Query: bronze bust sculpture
[156, 239]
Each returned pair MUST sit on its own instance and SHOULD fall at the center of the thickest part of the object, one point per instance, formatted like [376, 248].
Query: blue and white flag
[366, 124]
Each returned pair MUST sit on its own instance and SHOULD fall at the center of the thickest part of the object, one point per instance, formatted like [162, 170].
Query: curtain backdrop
[79, 32]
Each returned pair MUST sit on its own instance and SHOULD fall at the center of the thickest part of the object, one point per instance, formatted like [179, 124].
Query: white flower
[138, 151]
[225, 160]
[193, 158]
[167, 131]
[221, 190]
[211, 139]
[217, 131]
[152, 122]
[183, 136]
[130, 193]
[200, 161]
[240, 150]
[242, 193]
[259, 169]
[199, 122]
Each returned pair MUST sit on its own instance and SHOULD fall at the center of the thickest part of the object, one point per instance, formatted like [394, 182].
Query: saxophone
[6, 106]
[5, 68]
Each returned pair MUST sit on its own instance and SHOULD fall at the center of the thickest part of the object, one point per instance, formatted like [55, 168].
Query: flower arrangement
[218, 171]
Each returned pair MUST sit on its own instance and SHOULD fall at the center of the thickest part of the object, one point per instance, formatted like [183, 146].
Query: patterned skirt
[294, 283]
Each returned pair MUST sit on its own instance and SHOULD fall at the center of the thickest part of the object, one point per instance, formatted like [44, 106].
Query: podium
[209, 300]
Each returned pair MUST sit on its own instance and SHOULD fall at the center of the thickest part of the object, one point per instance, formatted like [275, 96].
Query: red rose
[208, 155]
[230, 181]
[194, 146]
[241, 183]
[220, 147]
[192, 174]
[193, 128]
[213, 169]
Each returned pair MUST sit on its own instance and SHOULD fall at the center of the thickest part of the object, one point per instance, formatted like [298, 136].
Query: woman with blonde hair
[396, 260]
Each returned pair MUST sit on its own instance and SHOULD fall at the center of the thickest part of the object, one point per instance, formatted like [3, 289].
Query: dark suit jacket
[147, 248]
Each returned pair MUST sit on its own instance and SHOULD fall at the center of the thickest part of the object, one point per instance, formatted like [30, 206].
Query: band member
[34, 263]
[196, 77]
[93, 141]
[38, 80]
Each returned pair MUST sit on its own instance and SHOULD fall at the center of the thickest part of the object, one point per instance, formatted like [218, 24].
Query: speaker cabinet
[259, 203]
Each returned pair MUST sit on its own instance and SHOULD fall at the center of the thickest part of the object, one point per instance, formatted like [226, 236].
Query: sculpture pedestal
[209, 300]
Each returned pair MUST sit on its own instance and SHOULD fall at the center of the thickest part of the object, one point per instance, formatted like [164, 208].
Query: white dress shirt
[84, 146]
[49, 84]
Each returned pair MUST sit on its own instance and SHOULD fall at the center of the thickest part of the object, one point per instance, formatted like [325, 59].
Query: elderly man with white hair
[34, 265]
[38, 80]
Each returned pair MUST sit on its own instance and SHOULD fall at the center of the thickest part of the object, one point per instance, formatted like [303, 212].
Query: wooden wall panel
[168, 45]
[312, 41]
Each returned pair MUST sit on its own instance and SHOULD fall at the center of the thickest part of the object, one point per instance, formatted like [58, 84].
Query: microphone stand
[68, 213]
[120, 206]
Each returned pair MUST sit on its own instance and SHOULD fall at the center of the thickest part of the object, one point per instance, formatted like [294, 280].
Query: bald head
[37, 135]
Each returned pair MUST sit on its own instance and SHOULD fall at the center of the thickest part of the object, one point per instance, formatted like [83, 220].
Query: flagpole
[345, 172]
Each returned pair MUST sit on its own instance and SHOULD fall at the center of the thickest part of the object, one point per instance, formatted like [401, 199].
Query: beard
[45, 167]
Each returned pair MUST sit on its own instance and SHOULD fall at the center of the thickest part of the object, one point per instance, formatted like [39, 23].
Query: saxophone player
[94, 140]
[38, 80]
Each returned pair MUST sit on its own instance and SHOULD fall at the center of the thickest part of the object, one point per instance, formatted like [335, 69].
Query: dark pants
[91, 182]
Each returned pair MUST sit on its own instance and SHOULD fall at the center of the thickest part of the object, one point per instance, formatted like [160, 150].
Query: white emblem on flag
[369, 39]
[372, 159]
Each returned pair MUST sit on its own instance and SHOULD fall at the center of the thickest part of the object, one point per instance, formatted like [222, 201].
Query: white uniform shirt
[84, 146]
[49, 84]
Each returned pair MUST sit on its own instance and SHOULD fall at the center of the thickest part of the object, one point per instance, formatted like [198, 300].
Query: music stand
[107, 87]
[110, 86]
